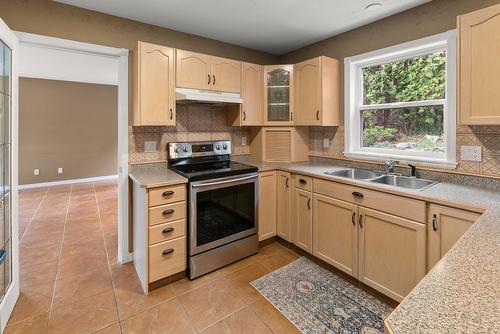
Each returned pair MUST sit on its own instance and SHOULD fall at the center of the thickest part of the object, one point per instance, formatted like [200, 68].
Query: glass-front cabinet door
[278, 95]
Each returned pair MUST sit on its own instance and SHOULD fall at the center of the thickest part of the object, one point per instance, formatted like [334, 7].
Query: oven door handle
[201, 185]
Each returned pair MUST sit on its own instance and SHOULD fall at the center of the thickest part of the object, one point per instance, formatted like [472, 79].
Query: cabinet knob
[302, 181]
[167, 193]
[357, 194]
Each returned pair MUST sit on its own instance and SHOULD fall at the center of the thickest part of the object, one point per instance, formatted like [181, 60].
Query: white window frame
[353, 100]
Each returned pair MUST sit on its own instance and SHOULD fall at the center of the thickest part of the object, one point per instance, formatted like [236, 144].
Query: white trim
[353, 99]
[123, 68]
[72, 181]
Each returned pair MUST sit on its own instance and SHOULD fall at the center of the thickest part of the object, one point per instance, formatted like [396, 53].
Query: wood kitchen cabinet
[153, 85]
[317, 92]
[284, 204]
[280, 144]
[267, 205]
[250, 112]
[335, 233]
[444, 227]
[391, 252]
[303, 215]
[278, 95]
[479, 68]
[201, 71]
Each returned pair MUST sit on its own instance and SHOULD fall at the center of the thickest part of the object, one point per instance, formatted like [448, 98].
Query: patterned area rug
[316, 300]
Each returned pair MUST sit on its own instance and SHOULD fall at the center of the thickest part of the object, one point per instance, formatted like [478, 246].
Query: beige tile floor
[71, 282]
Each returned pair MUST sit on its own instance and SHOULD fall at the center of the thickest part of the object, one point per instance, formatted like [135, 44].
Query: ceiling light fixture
[373, 6]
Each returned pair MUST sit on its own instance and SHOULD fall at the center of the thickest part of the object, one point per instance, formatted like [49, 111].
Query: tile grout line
[34, 214]
[107, 259]
[59, 259]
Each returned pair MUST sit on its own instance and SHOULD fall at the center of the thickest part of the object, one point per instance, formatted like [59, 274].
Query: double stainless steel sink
[395, 180]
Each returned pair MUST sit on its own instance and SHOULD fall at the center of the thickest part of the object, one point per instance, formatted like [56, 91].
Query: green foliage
[378, 134]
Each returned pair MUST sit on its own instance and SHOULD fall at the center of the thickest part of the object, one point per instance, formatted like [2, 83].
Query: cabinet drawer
[165, 195]
[167, 231]
[303, 182]
[167, 258]
[397, 205]
[167, 213]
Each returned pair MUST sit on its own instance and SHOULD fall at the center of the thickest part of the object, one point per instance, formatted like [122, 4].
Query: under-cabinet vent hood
[191, 96]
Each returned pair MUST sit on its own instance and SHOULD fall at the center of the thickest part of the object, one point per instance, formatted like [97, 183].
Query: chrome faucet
[389, 166]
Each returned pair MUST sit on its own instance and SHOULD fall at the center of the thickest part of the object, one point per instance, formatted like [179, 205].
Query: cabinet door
[267, 205]
[284, 202]
[335, 233]
[479, 68]
[303, 219]
[193, 70]
[391, 253]
[155, 87]
[226, 75]
[278, 95]
[252, 94]
[444, 227]
[307, 89]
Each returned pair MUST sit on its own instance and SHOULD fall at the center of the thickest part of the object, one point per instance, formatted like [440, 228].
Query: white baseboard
[63, 182]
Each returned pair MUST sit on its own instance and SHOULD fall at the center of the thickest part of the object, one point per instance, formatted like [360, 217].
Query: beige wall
[51, 18]
[66, 124]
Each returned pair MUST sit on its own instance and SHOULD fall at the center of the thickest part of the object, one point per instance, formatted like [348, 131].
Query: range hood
[191, 96]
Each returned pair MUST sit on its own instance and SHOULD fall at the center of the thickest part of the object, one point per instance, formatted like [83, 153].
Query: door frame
[12, 293]
[122, 56]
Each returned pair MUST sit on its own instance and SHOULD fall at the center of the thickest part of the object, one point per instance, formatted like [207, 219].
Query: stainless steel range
[222, 214]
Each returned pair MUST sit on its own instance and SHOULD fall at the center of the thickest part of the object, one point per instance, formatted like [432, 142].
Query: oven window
[224, 212]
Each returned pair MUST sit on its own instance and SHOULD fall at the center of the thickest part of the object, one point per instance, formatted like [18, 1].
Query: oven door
[221, 211]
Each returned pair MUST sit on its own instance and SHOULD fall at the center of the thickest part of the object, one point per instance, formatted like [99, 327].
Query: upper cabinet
[479, 67]
[201, 71]
[278, 95]
[316, 92]
[250, 112]
[153, 85]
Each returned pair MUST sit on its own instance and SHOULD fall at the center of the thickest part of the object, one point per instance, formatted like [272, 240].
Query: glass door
[278, 94]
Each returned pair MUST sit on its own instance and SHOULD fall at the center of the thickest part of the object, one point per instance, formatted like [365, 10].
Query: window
[400, 102]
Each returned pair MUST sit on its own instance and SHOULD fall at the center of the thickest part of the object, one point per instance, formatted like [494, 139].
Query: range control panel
[198, 149]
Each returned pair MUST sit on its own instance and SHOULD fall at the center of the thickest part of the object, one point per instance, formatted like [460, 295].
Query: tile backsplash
[488, 137]
[195, 122]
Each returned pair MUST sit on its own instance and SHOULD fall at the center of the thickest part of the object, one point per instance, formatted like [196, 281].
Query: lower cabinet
[335, 233]
[391, 253]
[283, 205]
[303, 219]
[444, 227]
[267, 205]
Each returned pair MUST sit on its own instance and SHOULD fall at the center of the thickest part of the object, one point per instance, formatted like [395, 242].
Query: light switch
[150, 146]
[471, 153]
[244, 141]
[326, 142]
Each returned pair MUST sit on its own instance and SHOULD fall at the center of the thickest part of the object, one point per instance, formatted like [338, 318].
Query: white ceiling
[274, 26]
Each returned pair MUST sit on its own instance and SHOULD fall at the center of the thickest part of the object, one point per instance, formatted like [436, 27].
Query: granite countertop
[461, 294]
[154, 175]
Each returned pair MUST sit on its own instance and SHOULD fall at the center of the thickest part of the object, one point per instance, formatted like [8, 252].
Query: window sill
[419, 161]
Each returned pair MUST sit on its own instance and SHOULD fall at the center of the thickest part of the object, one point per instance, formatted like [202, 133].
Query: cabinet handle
[291, 117]
[171, 114]
[168, 230]
[167, 193]
[353, 218]
[244, 116]
[168, 251]
[208, 79]
[434, 222]
[214, 79]
[302, 181]
[168, 211]
[309, 204]
[317, 115]
[286, 183]
[357, 194]
[361, 221]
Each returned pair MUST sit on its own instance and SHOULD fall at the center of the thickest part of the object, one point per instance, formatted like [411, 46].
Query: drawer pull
[167, 193]
[302, 181]
[168, 230]
[361, 221]
[357, 194]
[168, 251]
[353, 218]
[168, 211]
[434, 222]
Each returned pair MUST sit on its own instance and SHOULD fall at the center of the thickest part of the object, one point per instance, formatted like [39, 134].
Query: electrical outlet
[244, 141]
[36, 171]
[326, 143]
[60, 170]
[471, 153]
[150, 146]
